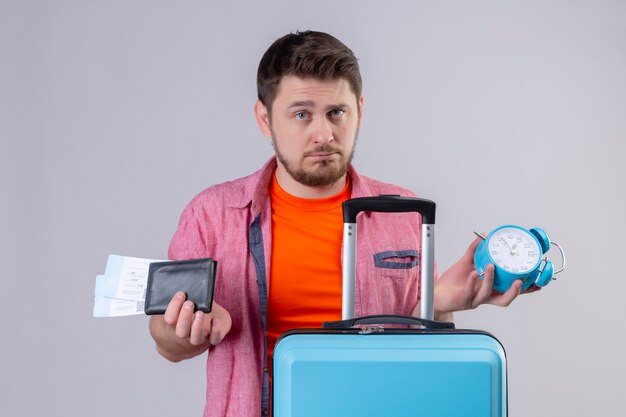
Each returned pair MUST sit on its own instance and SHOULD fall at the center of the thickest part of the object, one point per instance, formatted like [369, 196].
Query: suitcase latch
[371, 329]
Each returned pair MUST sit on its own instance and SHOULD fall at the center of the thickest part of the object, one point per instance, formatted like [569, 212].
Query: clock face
[514, 250]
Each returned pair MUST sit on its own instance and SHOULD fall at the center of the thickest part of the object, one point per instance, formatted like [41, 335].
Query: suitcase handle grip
[387, 319]
[389, 204]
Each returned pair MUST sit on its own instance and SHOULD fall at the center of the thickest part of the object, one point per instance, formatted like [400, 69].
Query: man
[277, 233]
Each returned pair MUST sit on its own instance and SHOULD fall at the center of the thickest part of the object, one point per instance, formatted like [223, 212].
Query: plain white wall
[113, 115]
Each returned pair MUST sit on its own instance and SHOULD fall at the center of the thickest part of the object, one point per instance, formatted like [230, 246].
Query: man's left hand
[460, 288]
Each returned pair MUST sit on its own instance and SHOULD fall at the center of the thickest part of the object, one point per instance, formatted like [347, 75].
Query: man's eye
[301, 115]
[337, 112]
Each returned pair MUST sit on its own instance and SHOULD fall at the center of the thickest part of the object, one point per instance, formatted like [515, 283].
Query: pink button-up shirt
[230, 223]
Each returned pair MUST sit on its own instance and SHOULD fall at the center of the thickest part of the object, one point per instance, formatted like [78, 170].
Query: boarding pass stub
[121, 291]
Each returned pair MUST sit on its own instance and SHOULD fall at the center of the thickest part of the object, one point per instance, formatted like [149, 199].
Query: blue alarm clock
[517, 253]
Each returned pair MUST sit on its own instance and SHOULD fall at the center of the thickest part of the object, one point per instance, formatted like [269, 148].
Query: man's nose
[322, 131]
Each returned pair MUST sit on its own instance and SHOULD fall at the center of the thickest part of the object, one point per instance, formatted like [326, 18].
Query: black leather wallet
[195, 277]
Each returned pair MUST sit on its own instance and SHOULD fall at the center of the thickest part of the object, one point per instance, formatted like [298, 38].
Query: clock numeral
[494, 252]
[531, 253]
[515, 269]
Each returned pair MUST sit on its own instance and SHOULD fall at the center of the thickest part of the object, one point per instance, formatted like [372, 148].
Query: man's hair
[308, 54]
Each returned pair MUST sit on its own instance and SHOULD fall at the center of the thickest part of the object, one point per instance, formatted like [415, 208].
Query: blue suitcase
[359, 367]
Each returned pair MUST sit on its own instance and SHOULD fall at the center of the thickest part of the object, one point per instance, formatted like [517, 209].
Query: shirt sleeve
[188, 241]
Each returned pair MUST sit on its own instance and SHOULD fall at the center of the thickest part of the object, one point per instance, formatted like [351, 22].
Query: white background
[114, 114]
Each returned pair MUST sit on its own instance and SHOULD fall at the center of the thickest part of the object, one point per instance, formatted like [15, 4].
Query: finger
[173, 308]
[486, 287]
[197, 335]
[506, 298]
[467, 293]
[477, 283]
[471, 286]
[185, 318]
[531, 289]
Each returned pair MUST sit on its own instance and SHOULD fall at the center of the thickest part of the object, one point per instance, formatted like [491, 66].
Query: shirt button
[265, 369]
[265, 412]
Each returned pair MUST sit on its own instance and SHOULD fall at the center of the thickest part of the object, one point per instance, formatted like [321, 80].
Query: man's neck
[300, 190]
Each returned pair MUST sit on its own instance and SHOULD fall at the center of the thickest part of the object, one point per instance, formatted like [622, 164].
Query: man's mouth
[322, 154]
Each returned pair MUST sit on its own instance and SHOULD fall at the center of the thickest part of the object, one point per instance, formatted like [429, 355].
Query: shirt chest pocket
[395, 277]
[396, 260]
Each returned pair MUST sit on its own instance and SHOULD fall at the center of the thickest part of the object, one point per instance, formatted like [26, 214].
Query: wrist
[438, 315]
[444, 316]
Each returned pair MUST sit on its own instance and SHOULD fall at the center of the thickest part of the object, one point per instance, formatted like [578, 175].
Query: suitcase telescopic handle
[389, 204]
[386, 319]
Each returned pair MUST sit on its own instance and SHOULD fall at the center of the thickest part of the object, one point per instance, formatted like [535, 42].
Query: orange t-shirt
[305, 269]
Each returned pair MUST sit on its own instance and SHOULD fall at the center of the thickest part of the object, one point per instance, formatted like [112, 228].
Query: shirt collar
[256, 190]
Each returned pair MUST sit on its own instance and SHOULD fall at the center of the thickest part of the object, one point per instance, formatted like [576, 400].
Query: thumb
[472, 248]
[215, 334]
[219, 329]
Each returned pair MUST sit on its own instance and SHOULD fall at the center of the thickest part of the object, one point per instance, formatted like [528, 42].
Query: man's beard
[323, 173]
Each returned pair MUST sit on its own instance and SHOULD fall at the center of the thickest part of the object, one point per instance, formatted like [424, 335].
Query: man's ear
[263, 118]
[360, 111]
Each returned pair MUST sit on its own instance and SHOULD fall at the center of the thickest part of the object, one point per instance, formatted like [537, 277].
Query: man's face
[313, 125]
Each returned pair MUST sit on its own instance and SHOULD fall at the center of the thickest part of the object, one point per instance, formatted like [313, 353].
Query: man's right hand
[181, 334]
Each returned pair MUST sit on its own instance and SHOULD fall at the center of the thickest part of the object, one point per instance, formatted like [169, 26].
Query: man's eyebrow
[306, 103]
[338, 106]
[310, 103]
